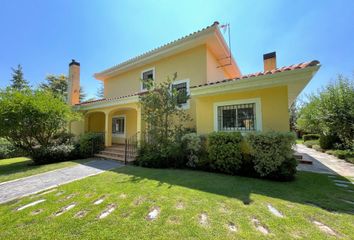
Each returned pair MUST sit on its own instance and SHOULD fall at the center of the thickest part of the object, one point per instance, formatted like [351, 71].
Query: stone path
[323, 162]
[30, 185]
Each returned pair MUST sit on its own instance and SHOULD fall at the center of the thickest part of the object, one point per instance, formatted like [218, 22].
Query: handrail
[131, 147]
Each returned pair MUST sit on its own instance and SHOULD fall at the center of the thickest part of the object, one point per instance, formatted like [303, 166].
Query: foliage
[317, 148]
[270, 150]
[7, 150]
[310, 143]
[164, 117]
[53, 153]
[341, 154]
[18, 82]
[293, 113]
[100, 91]
[328, 141]
[308, 137]
[90, 144]
[225, 151]
[331, 112]
[29, 119]
[58, 85]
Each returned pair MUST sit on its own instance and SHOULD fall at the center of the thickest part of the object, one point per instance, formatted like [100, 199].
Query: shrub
[328, 141]
[341, 154]
[7, 150]
[191, 146]
[270, 150]
[90, 144]
[286, 171]
[168, 155]
[308, 137]
[225, 151]
[51, 154]
[310, 143]
[317, 148]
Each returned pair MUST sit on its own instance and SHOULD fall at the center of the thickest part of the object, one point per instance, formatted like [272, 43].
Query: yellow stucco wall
[214, 71]
[96, 122]
[190, 64]
[274, 105]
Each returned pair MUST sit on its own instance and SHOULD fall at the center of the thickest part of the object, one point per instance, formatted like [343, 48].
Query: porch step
[121, 159]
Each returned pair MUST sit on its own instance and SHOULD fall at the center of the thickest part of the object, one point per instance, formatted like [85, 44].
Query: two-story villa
[222, 99]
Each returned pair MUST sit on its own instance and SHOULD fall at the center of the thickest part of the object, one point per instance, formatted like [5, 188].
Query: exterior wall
[214, 72]
[274, 105]
[96, 122]
[190, 64]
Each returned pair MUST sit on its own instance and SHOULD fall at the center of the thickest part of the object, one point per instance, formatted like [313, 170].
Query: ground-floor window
[118, 125]
[243, 115]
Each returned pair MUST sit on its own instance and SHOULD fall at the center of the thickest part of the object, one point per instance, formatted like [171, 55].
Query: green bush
[270, 150]
[310, 143]
[308, 137]
[51, 154]
[341, 154]
[317, 148]
[286, 171]
[225, 151]
[328, 141]
[90, 144]
[7, 150]
[168, 155]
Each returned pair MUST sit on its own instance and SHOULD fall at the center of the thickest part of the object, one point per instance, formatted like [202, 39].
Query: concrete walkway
[323, 162]
[30, 185]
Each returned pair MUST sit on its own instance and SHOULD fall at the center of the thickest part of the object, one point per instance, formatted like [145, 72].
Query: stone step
[305, 161]
[121, 159]
[113, 153]
[298, 156]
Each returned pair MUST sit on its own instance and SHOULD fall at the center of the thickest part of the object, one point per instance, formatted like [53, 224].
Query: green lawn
[299, 141]
[182, 196]
[14, 168]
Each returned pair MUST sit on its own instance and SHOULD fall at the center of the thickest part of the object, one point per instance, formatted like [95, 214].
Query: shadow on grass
[308, 188]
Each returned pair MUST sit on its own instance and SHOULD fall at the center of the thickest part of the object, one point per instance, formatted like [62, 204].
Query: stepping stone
[107, 211]
[348, 190]
[139, 200]
[30, 204]
[259, 226]
[274, 211]
[36, 212]
[203, 219]
[65, 209]
[324, 228]
[80, 214]
[348, 201]
[59, 193]
[99, 201]
[46, 192]
[232, 227]
[180, 205]
[153, 214]
[173, 220]
[123, 195]
[341, 185]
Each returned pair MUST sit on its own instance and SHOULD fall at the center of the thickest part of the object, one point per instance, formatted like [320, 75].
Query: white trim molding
[119, 135]
[187, 81]
[258, 106]
[141, 77]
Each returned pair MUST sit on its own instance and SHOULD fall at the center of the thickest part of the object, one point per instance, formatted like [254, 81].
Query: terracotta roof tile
[277, 70]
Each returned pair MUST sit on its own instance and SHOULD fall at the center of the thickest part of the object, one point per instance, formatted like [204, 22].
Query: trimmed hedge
[308, 137]
[225, 151]
[52, 154]
[328, 141]
[310, 143]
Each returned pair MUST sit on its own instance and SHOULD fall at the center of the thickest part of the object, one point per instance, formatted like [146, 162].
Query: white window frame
[125, 126]
[187, 104]
[256, 101]
[141, 77]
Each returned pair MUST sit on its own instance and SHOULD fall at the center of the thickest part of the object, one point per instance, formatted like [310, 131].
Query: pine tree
[18, 82]
[100, 91]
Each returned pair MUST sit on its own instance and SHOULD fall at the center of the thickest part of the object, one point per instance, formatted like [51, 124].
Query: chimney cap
[73, 62]
[215, 23]
[269, 55]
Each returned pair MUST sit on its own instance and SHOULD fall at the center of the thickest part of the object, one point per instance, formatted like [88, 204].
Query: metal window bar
[238, 117]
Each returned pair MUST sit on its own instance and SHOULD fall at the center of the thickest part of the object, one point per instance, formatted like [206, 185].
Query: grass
[299, 141]
[14, 168]
[223, 198]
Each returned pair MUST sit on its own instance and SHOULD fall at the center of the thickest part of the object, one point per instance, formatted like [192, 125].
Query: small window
[238, 117]
[118, 125]
[147, 75]
[182, 91]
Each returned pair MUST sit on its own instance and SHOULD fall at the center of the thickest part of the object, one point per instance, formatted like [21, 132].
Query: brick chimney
[270, 61]
[74, 83]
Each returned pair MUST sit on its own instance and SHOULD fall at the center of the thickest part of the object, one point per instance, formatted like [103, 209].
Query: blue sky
[43, 36]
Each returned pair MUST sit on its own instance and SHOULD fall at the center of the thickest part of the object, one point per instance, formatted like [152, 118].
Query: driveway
[323, 162]
[30, 185]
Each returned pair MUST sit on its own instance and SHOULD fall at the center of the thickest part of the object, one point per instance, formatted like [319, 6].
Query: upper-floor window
[182, 88]
[146, 75]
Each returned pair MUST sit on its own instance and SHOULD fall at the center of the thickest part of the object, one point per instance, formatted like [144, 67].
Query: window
[118, 125]
[182, 88]
[238, 116]
[145, 76]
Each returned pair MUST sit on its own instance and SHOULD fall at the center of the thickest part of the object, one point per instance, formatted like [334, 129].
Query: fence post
[125, 152]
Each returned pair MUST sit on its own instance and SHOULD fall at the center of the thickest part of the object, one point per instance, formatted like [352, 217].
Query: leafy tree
[58, 85]
[331, 112]
[163, 115]
[100, 91]
[30, 119]
[18, 82]
[293, 113]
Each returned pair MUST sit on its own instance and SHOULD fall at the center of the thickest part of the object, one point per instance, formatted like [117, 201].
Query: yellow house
[222, 99]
